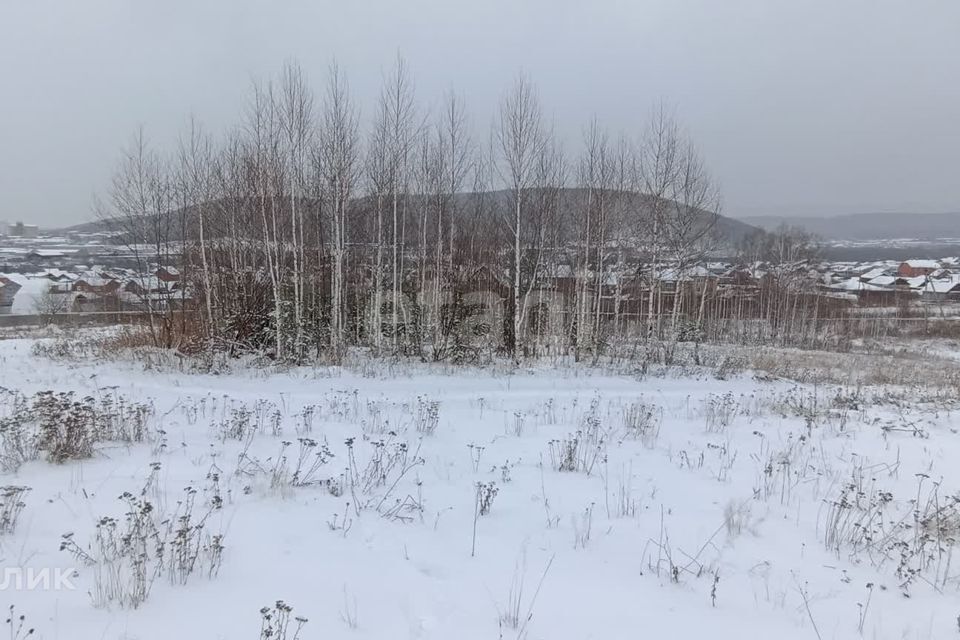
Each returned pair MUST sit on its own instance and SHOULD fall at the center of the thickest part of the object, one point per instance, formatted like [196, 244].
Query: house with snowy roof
[167, 274]
[875, 272]
[940, 290]
[915, 268]
[885, 280]
[867, 293]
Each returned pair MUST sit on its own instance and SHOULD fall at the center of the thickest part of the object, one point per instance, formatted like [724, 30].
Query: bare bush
[127, 555]
[18, 439]
[428, 416]
[11, 506]
[375, 483]
[66, 428]
[276, 622]
[576, 453]
[642, 421]
[719, 412]
[736, 518]
[486, 493]
[518, 612]
[17, 625]
[582, 527]
[916, 537]
[303, 471]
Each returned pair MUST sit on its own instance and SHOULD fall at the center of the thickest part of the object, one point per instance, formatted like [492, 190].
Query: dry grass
[902, 369]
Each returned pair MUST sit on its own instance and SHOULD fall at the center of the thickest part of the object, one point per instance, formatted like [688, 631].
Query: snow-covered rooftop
[923, 264]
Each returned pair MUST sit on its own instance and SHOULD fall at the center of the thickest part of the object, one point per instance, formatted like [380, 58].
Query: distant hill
[95, 226]
[731, 231]
[869, 226]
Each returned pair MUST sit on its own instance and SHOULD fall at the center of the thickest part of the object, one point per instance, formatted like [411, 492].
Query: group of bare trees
[312, 225]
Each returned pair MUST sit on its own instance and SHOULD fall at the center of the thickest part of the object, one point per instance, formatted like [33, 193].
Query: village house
[916, 268]
[142, 286]
[60, 281]
[167, 274]
[941, 290]
[95, 284]
[48, 256]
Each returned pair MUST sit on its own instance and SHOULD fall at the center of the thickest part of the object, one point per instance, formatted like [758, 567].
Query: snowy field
[535, 504]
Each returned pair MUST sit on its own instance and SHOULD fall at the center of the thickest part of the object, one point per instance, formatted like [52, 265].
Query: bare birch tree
[520, 136]
[690, 223]
[197, 193]
[340, 167]
[265, 157]
[657, 171]
[398, 103]
[379, 175]
[142, 200]
[295, 111]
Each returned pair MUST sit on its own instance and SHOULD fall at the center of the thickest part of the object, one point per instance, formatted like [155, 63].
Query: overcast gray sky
[799, 106]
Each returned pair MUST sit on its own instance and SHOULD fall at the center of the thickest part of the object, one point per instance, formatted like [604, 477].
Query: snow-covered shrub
[18, 440]
[428, 416]
[276, 423]
[128, 554]
[11, 505]
[580, 451]
[519, 421]
[724, 457]
[66, 428]
[736, 518]
[642, 421]
[17, 625]
[729, 366]
[582, 527]
[486, 493]
[305, 420]
[189, 547]
[546, 413]
[690, 331]
[476, 455]
[517, 613]
[917, 536]
[626, 504]
[344, 405]
[374, 422]
[576, 453]
[240, 421]
[780, 471]
[312, 456]
[719, 411]
[372, 484]
[276, 622]
[238, 424]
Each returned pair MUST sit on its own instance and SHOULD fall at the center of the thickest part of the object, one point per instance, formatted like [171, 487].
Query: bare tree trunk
[339, 151]
[397, 102]
[296, 119]
[521, 142]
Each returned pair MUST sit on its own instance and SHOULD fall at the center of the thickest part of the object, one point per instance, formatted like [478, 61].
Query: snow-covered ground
[683, 507]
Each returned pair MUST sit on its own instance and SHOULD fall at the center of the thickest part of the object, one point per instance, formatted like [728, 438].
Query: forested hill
[472, 210]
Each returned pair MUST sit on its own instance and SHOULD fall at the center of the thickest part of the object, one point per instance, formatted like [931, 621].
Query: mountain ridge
[729, 229]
